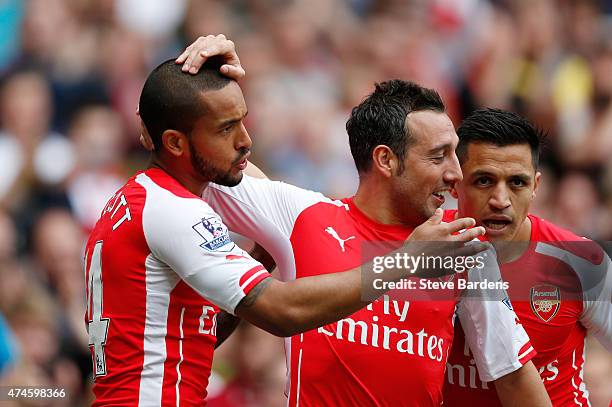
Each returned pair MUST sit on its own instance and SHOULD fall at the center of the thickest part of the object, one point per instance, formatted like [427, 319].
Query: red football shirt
[559, 287]
[392, 352]
[157, 268]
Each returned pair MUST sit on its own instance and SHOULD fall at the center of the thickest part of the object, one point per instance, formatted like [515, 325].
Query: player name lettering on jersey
[114, 204]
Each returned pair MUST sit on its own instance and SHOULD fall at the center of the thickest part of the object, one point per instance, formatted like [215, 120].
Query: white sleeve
[498, 341]
[264, 211]
[597, 305]
[187, 236]
[596, 284]
[257, 200]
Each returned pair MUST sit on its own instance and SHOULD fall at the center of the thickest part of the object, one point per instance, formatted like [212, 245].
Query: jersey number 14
[97, 327]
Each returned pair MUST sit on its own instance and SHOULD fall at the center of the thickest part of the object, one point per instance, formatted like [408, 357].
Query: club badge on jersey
[215, 234]
[545, 301]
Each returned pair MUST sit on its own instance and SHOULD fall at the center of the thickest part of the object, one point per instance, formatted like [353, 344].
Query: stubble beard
[210, 173]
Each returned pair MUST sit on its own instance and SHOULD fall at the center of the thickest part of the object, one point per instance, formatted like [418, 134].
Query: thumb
[233, 72]
[436, 218]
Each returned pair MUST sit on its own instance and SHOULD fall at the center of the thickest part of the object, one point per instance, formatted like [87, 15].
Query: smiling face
[219, 144]
[430, 167]
[498, 186]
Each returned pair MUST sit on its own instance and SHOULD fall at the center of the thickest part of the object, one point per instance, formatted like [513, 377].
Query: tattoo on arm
[252, 296]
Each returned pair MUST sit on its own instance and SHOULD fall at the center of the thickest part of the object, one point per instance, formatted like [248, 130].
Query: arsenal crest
[545, 301]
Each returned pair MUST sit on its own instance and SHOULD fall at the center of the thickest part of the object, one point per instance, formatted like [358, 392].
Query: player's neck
[512, 250]
[374, 201]
[193, 185]
[524, 232]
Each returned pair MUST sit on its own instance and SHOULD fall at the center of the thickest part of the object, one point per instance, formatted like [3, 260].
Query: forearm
[523, 387]
[226, 322]
[286, 309]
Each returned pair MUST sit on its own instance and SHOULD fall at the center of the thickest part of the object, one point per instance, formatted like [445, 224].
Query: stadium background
[71, 72]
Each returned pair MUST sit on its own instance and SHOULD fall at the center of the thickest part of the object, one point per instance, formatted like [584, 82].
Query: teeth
[496, 225]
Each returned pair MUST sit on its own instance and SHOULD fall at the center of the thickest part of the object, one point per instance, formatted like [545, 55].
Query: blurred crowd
[71, 72]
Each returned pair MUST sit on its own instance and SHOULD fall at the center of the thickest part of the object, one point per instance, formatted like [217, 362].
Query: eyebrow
[231, 121]
[521, 177]
[441, 147]
[481, 173]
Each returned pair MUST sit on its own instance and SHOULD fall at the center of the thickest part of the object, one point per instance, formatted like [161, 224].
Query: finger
[460, 224]
[183, 57]
[202, 53]
[227, 49]
[469, 234]
[471, 249]
[194, 61]
[436, 218]
[233, 72]
[204, 48]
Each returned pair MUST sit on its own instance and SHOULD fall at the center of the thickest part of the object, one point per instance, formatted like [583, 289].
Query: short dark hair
[170, 98]
[381, 119]
[500, 128]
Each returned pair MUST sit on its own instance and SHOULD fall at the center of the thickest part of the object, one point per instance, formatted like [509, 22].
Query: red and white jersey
[390, 353]
[159, 263]
[560, 289]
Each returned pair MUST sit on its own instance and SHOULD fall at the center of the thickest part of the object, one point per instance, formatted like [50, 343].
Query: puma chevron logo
[334, 234]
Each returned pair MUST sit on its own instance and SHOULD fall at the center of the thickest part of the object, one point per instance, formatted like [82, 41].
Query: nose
[500, 199]
[243, 140]
[453, 173]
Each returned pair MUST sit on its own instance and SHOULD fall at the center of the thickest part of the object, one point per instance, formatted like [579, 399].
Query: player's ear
[384, 161]
[536, 183]
[175, 142]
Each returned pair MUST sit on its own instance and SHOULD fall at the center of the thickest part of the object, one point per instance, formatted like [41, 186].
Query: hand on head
[212, 45]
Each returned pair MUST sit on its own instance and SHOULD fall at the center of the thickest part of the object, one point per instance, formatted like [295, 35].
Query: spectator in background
[31, 154]
[8, 347]
[257, 371]
[58, 246]
[578, 207]
[100, 144]
[9, 352]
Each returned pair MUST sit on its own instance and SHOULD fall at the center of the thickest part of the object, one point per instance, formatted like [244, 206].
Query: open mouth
[496, 224]
[439, 195]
